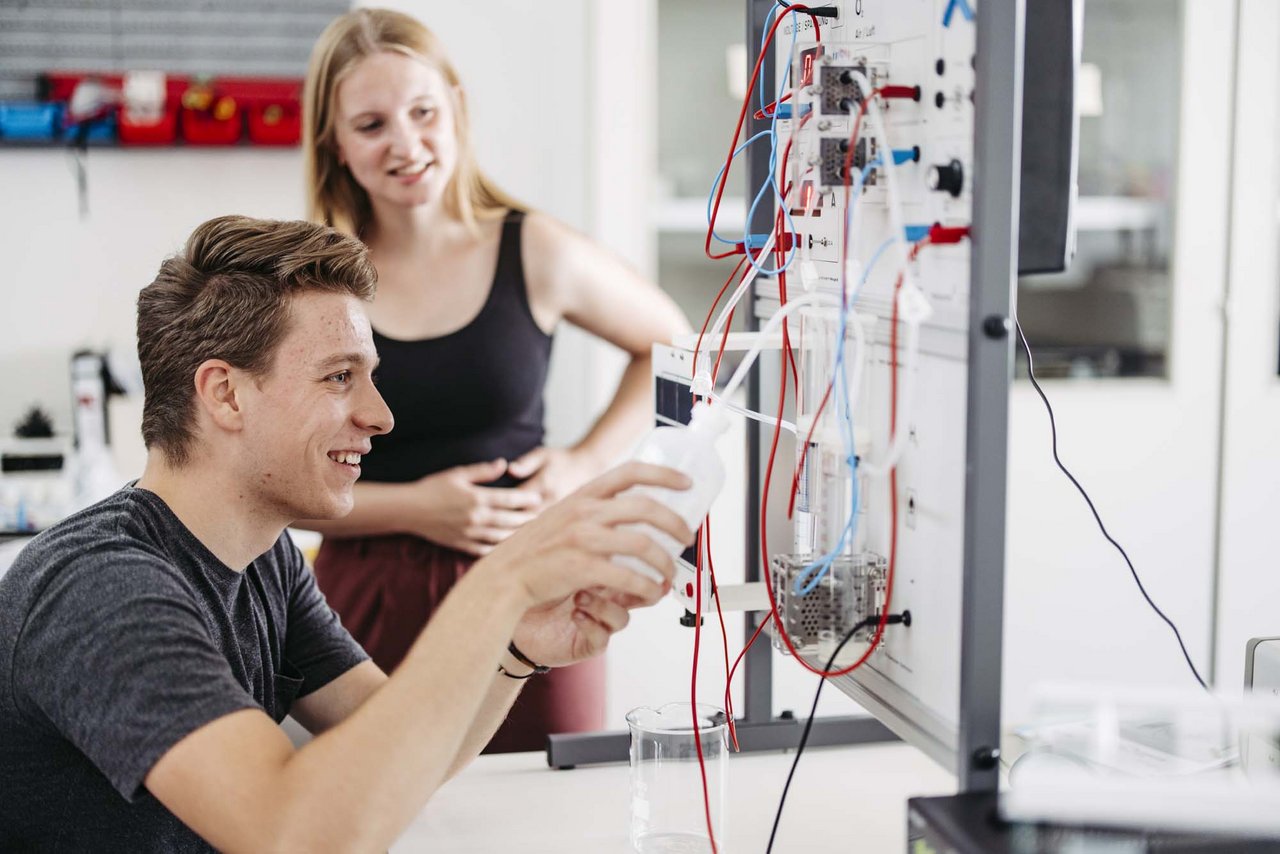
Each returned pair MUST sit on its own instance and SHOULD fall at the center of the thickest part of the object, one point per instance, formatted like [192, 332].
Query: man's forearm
[493, 711]
[400, 745]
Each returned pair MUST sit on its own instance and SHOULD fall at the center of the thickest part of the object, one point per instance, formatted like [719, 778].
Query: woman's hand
[554, 472]
[452, 509]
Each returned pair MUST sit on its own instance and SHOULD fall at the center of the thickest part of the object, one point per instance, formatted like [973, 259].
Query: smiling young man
[150, 644]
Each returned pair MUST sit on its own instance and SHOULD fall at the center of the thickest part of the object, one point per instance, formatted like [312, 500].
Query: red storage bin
[275, 124]
[163, 132]
[205, 110]
[204, 127]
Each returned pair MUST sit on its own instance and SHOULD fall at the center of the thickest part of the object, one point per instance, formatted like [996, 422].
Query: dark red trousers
[386, 588]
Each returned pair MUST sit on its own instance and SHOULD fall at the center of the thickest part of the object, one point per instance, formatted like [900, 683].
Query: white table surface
[847, 799]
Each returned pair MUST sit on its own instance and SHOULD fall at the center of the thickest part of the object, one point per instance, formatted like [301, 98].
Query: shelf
[1093, 213]
[689, 216]
[1118, 213]
[116, 145]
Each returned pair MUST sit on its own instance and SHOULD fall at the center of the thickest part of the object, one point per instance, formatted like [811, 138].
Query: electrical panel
[860, 259]
[882, 126]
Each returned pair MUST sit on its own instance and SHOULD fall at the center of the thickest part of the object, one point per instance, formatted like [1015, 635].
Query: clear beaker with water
[668, 813]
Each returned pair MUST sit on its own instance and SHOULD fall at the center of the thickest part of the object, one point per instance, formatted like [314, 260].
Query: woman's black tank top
[470, 396]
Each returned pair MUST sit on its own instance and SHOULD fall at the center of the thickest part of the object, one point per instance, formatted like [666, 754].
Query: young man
[150, 644]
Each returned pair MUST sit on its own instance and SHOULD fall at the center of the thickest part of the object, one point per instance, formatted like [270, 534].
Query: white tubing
[772, 326]
[880, 468]
[723, 317]
[753, 415]
[886, 153]
[859, 354]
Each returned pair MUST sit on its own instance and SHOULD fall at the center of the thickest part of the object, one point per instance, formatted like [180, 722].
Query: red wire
[724, 340]
[764, 514]
[848, 178]
[747, 648]
[710, 312]
[781, 254]
[737, 130]
[706, 532]
[724, 633]
[693, 690]
[782, 286]
[693, 701]
[893, 506]
[771, 108]
[788, 355]
[848, 164]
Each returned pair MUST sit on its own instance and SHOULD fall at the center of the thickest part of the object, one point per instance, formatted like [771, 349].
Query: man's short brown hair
[226, 296]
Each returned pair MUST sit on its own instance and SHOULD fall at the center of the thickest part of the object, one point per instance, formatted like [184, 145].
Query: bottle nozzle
[709, 417]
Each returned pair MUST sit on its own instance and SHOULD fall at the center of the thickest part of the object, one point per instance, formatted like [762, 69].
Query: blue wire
[772, 181]
[875, 256]
[965, 11]
[764, 34]
[772, 134]
[720, 176]
[817, 570]
[855, 189]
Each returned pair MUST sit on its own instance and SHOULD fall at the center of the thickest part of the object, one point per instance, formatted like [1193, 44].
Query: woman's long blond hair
[333, 196]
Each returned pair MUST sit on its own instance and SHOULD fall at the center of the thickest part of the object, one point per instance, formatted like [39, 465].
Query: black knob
[986, 758]
[996, 326]
[947, 178]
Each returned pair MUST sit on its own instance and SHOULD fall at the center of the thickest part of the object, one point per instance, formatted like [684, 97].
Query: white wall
[532, 125]
[1249, 601]
[70, 282]
[1146, 450]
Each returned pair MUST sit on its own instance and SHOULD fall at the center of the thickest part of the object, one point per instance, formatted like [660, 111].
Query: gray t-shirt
[120, 633]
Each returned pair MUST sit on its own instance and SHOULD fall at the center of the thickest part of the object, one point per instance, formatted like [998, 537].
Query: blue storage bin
[104, 129]
[101, 130]
[29, 120]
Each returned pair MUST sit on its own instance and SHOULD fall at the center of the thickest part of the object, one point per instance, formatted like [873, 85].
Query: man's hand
[578, 597]
[573, 630]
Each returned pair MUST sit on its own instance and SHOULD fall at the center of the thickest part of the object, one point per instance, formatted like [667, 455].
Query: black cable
[1053, 428]
[905, 619]
[812, 11]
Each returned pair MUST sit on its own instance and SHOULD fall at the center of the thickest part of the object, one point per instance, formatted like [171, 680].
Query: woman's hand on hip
[554, 472]
[454, 510]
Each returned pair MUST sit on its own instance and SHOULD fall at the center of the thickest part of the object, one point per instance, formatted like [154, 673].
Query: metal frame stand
[992, 292]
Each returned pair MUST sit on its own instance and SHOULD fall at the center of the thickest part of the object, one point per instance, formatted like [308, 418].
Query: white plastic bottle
[690, 450]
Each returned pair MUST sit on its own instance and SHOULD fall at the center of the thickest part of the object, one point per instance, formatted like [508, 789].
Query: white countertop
[842, 799]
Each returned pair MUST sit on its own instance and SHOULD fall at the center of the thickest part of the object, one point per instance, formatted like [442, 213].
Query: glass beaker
[667, 809]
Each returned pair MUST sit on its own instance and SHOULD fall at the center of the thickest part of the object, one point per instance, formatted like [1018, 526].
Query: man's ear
[217, 394]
